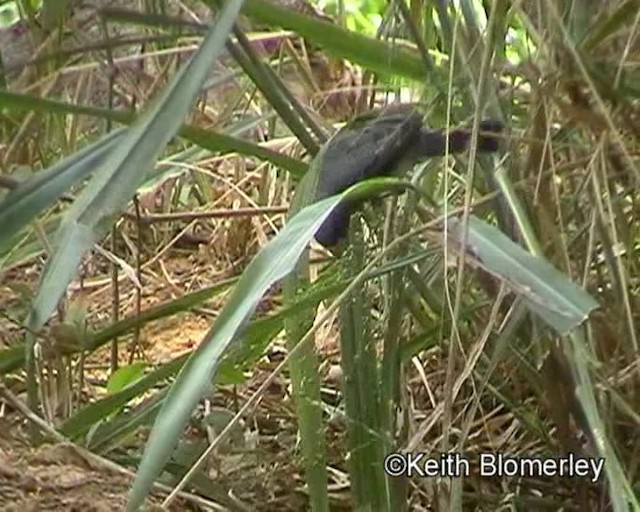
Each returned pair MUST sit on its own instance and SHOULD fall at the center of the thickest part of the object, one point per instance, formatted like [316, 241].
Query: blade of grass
[206, 139]
[274, 261]
[34, 195]
[549, 293]
[337, 41]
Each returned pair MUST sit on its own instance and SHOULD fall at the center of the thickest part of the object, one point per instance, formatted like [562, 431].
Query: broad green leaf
[258, 335]
[546, 291]
[207, 139]
[303, 362]
[34, 195]
[125, 169]
[125, 376]
[368, 52]
[622, 15]
[274, 261]
[54, 13]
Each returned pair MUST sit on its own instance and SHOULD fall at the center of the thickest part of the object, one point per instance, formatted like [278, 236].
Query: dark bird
[379, 144]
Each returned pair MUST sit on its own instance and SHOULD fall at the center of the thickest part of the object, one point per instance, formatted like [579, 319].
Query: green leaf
[274, 261]
[124, 376]
[34, 195]
[622, 15]
[125, 169]
[368, 52]
[207, 139]
[552, 295]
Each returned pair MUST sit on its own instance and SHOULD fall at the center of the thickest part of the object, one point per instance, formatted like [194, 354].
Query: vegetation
[160, 306]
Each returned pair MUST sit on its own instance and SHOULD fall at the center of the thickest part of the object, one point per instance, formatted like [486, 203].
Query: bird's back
[358, 152]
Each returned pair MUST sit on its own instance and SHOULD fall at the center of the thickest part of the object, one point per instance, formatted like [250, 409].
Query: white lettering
[596, 465]
[488, 465]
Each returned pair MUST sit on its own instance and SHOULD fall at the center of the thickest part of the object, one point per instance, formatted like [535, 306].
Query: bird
[379, 143]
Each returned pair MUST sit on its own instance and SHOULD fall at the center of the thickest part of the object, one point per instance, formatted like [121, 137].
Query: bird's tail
[335, 227]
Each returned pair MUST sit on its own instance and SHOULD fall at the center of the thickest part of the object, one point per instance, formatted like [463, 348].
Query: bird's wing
[362, 151]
